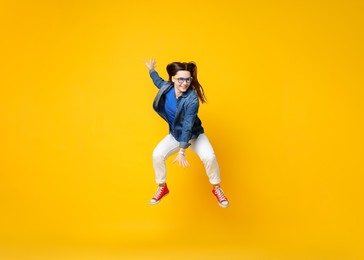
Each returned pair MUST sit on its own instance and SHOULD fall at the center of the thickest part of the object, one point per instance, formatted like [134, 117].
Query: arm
[191, 113]
[157, 80]
[189, 120]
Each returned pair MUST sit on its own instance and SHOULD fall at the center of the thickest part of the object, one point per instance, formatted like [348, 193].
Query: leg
[163, 150]
[202, 147]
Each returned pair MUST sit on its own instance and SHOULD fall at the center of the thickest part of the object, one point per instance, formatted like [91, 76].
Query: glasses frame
[181, 79]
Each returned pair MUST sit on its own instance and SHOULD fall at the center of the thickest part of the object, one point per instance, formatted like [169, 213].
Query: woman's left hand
[182, 161]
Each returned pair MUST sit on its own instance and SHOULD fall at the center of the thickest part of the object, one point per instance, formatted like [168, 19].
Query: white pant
[201, 146]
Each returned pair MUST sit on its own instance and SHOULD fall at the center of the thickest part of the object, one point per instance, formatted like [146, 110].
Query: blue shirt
[170, 107]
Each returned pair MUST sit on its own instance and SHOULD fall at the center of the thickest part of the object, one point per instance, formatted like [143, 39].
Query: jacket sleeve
[157, 80]
[189, 120]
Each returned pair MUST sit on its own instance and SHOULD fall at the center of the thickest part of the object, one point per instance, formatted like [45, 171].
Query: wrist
[183, 152]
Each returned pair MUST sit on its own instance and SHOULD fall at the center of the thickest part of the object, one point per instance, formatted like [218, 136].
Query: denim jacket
[186, 124]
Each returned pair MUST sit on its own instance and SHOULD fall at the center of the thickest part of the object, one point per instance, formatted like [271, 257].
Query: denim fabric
[186, 124]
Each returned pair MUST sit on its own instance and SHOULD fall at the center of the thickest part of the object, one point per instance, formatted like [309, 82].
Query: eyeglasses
[181, 80]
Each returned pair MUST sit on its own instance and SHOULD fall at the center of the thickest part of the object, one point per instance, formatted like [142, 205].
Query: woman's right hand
[151, 64]
[182, 161]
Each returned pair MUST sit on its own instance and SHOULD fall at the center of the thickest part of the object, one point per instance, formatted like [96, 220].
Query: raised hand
[151, 64]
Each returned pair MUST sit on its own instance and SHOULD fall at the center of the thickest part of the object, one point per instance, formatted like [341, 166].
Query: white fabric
[201, 146]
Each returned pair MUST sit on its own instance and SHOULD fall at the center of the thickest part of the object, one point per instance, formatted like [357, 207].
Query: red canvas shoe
[219, 194]
[161, 192]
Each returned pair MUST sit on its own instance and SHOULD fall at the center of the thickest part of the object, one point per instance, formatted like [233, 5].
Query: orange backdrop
[285, 116]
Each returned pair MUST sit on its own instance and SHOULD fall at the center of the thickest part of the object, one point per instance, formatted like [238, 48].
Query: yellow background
[284, 81]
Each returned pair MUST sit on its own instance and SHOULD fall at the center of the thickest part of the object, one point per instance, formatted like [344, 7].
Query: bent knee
[208, 158]
[157, 156]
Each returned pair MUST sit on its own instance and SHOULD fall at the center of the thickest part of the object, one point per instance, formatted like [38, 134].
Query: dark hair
[174, 67]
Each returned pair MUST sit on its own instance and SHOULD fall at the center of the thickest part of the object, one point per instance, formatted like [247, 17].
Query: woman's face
[182, 80]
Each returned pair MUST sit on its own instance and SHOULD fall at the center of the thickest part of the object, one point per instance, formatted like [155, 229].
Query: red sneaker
[161, 192]
[219, 194]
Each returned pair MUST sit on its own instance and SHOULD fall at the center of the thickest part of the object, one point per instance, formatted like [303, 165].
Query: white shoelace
[220, 194]
[159, 192]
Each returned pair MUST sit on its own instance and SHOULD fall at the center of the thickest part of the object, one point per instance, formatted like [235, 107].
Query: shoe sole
[154, 203]
[223, 206]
